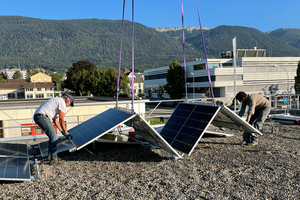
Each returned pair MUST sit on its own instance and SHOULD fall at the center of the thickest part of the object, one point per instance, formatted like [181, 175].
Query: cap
[69, 97]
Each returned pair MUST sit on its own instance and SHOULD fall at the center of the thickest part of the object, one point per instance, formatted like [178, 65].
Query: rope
[132, 71]
[183, 44]
[118, 86]
[211, 89]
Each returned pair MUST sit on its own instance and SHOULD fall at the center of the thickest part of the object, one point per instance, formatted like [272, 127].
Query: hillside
[55, 44]
[290, 35]
[219, 39]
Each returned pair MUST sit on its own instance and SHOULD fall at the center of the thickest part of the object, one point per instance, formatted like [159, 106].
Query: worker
[53, 110]
[259, 109]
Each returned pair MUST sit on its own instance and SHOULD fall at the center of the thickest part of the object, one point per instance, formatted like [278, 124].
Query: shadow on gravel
[290, 138]
[222, 143]
[113, 152]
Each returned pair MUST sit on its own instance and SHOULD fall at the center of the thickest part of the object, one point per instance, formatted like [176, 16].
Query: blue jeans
[46, 125]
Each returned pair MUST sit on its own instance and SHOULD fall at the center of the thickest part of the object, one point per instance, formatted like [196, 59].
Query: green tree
[297, 80]
[160, 91]
[149, 92]
[17, 75]
[109, 81]
[175, 81]
[76, 74]
[2, 80]
[56, 78]
[3, 75]
[140, 93]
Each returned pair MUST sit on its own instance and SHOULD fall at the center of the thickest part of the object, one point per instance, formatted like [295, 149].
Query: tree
[175, 81]
[297, 80]
[17, 75]
[140, 93]
[3, 75]
[160, 91]
[56, 78]
[149, 92]
[76, 74]
[109, 81]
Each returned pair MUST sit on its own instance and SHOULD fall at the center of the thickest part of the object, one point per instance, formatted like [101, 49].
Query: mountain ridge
[55, 44]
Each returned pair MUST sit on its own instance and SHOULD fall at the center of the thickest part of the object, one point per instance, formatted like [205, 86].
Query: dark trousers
[257, 120]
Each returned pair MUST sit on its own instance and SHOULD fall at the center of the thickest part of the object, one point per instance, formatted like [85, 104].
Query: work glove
[67, 135]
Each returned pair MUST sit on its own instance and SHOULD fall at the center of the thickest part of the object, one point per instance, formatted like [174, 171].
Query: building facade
[39, 87]
[11, 72]
[263, 75]
[138, 83]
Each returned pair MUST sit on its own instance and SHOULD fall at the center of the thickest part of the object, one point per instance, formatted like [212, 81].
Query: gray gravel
[218, 168]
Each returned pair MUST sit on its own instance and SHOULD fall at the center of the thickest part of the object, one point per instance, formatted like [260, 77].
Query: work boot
[56, 162]
[253, 140]
[253, 143]
[244, 142]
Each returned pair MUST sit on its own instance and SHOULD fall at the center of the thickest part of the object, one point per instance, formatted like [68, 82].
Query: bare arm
[248, 118]
[60, 121]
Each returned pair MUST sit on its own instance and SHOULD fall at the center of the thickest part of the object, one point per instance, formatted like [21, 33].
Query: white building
[263, 75]
[11, 72]
[138, 82]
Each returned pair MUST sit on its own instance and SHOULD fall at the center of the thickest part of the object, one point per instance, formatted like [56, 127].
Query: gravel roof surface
[218, 168]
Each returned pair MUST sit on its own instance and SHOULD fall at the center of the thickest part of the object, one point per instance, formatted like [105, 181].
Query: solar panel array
[14, 162]
[92, 129]
[187, 124]
[13, 150]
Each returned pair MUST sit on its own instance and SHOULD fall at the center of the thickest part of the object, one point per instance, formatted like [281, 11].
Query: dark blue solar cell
[186, 125]
[91, 129]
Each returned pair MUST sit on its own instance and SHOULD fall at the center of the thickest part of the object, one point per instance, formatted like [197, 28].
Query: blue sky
[264, 15]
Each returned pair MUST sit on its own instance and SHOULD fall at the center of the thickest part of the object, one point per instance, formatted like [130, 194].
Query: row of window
[39, 96]
[200, 79]
[211, 65]
[38, 89]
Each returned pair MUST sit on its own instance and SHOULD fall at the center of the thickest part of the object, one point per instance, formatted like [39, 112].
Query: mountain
[55, 44]
[219, 39]
[290, 35]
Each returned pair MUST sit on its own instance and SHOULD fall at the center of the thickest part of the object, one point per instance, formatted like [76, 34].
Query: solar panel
[13, 150]
[92, 129]
[62, 145]
[228, 119]
[14, 169]
[187, 125]
[148, 133]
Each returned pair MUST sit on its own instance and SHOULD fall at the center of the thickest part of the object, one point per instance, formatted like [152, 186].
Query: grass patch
[157, 121]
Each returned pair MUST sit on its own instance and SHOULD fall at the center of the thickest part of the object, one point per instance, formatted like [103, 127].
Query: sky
[264, 15]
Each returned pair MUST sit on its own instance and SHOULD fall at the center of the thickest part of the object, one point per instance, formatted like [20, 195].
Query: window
[29, 89]
[158, 76]
[48, 89]
[29, 96]
[199, 67]
[33, 129]
[39, 89]
[49, 95]
[39, 96]
[11, 95]
[21, 95]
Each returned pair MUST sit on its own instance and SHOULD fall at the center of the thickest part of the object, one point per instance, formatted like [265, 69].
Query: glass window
[39, 96]
[11, 95]
[39, 89]
[49, 95]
